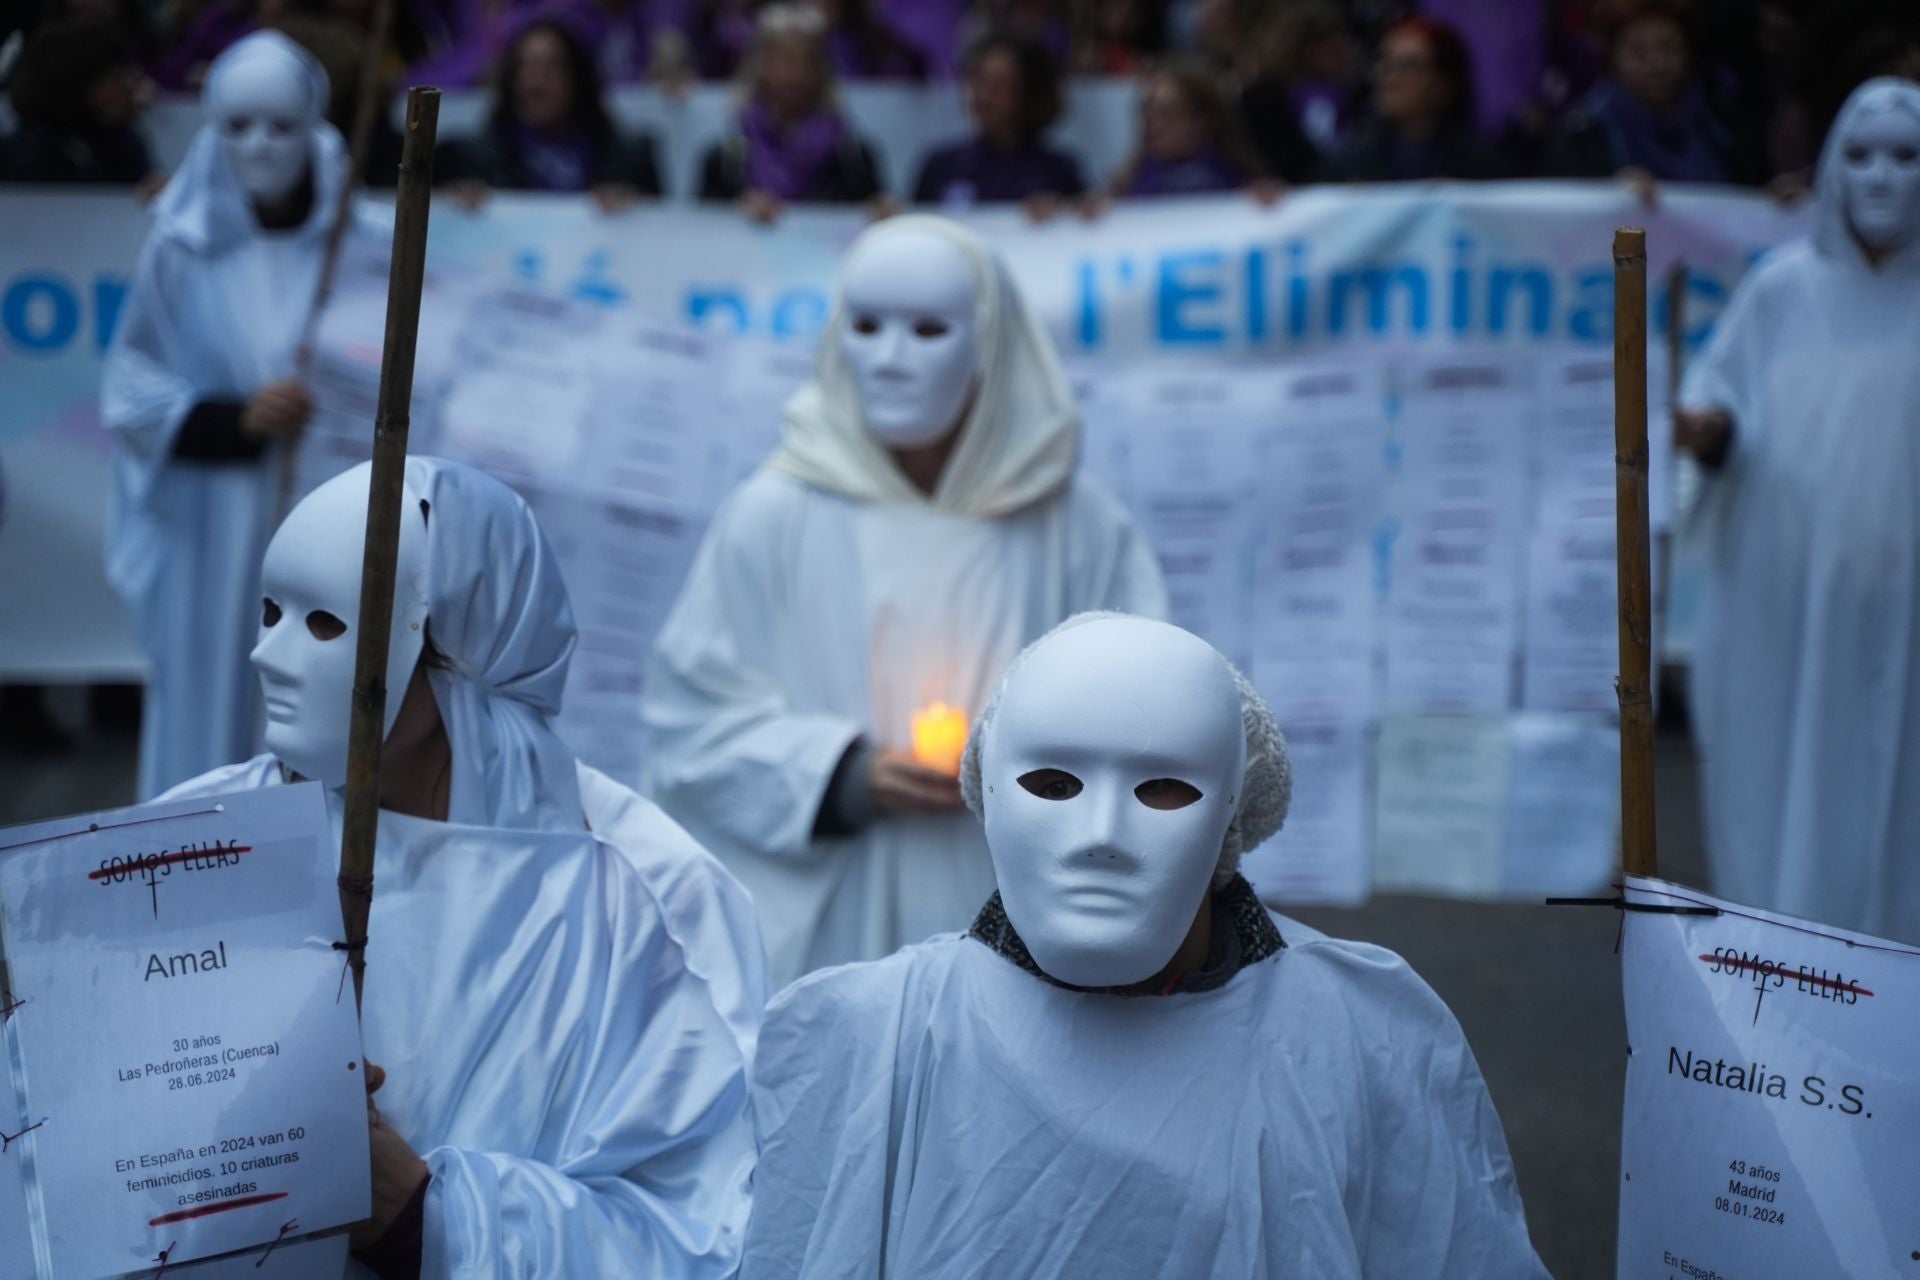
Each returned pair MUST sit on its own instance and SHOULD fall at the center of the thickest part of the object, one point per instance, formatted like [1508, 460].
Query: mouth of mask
[1112, 768]
[908, 335]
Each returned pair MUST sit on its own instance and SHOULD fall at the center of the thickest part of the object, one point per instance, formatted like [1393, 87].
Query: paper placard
[1773, 1097]
[186, 1044]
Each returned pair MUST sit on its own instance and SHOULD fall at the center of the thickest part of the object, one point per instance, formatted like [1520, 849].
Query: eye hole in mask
[1166, 793]
[1051, 784]
[237, 125]
[865, 325]
[931, 328]
[322, 625]
[269, 613]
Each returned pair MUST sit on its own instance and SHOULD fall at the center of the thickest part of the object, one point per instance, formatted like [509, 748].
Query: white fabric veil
[1019, 442]
[499, 614]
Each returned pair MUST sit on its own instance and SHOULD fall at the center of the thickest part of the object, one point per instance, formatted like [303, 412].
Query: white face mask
[305, 656]
[1109, 775]
[265, 122]
[908, 335]
[1880, 176]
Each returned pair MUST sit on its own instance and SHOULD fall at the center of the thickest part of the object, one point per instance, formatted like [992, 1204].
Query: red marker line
[218, 1206]
[1773, 967]
[163, 859]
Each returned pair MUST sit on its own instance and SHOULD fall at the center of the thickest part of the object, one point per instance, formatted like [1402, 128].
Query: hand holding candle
[939, 737]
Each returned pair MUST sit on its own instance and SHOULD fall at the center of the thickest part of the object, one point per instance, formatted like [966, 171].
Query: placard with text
[186, 1055]
[1773, 1096]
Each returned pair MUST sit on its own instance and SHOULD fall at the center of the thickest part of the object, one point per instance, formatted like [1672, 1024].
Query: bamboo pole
[1632, 550]
[366, 109]
[405, 278]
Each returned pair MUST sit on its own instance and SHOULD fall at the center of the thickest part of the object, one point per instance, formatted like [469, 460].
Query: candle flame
[939, 737]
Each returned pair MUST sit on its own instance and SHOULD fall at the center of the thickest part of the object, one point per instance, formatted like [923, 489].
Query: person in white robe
[1127, 1066]
[1804, 411]
[562, 990]
[921, 522]
[200, 394]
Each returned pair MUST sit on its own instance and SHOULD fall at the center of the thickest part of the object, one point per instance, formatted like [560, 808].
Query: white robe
[215, 311]
[1806, 679]
[810, 619]
[944, 1114]
[567, 1024]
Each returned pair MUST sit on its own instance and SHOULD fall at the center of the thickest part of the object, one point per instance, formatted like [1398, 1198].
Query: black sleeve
[1276, 134]
[855, 177]
[458, 160]
[847, 807]
[720, 179]
[211, 433]
[927, 184]
[1579, 149]
[396, 1254]
[631, 162]
[1718, 458]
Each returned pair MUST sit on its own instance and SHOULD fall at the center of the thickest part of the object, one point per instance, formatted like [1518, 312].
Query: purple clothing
[931, 27]
[1508, 44]
[218, 26]
[1197, 174]
[788, 162]
[1686, 144]
[555, 161]
[482, 30]
[882, 58]
[976, 172]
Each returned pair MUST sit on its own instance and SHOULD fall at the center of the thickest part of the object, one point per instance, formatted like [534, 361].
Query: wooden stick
[405, 279]
[366, 109]
[1632, 550]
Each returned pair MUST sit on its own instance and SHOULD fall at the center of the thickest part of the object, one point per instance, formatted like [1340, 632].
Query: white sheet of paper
[519, 407]
[1318, 592]
[1459, 511]
[185, 1036]
[1772, 1099]
[1440, 805]
[760, 376]
[624, 563]
[1191, 480]
[1320, 855]
[344, 374]
[1563, 828]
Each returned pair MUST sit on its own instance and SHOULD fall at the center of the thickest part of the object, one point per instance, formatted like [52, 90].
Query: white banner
[1773, 1096]
[1520, 269]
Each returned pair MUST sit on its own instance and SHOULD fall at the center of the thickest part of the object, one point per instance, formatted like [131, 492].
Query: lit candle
[939, 737]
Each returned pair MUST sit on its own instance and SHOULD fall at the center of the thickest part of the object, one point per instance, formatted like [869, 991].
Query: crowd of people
[1254, 95]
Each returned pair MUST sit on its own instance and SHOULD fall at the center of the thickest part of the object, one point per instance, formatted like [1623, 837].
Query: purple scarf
[788, 163]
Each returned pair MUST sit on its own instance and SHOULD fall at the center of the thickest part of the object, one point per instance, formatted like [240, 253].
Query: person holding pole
[856, 597]
[200, 395]
[562, 990]
[1804, 412]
